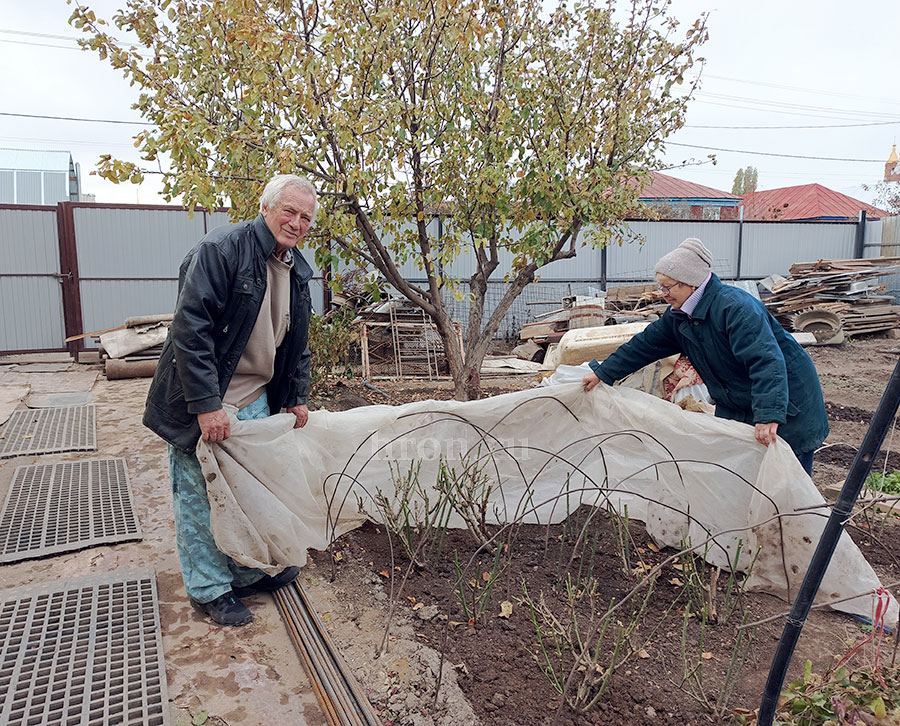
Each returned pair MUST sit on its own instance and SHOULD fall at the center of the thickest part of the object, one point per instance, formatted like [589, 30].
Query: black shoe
[267, 583]
[225, 610]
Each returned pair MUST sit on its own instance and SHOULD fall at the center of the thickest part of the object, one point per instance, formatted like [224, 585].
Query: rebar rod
[337, 691]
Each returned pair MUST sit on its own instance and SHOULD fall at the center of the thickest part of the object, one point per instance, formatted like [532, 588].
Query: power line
[800, 89]
[10, 31]
[821, 126]
[767, 153]
[786, 104]
[42, 45]
[774, 110]
[72, 118]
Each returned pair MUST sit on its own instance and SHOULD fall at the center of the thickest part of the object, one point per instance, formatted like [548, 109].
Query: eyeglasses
[664, 289]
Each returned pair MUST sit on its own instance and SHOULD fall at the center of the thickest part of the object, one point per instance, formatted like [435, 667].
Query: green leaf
[200, 718]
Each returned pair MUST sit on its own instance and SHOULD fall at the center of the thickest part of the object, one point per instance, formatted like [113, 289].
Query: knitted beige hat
[689, 263]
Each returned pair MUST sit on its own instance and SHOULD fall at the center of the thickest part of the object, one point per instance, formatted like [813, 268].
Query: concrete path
[239, 676]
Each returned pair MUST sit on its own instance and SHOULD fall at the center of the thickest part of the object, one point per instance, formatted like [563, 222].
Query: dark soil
[498, 660]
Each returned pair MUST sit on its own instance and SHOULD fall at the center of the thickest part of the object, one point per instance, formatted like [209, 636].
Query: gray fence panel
[30, 290]
[28, 187]
[28, 241]
[118, 243]
[774, 248]
[134, 242]
[132, 298]
[32, 314]
[216, 219]
[7, 187]
[56, 187]
[872, 242]
[635, 261]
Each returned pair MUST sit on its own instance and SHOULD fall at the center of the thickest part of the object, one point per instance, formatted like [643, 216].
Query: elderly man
[238, 341]
[755, 371]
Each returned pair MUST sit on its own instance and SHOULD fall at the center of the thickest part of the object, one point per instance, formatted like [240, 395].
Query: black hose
[378, 390]
[859, 470]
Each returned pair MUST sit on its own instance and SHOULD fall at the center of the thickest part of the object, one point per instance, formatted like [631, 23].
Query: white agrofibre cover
[276, 491]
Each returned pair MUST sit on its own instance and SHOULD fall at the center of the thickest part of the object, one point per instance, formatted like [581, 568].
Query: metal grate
[49, 430]
[84, 651]
[66, 506]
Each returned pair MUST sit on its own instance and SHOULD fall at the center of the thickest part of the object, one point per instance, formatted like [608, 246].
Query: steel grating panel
[49, 430]
[85, 651]
[66, 506]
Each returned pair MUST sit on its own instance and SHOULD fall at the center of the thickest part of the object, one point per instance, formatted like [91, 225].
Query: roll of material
[139, 320]
[117, 368]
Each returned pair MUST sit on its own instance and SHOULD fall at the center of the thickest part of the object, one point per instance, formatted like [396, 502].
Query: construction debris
[132, 350]
[617, 306]
[844, 289]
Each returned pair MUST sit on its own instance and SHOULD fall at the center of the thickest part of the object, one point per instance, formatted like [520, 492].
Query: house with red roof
[673, 198]
[806, 202]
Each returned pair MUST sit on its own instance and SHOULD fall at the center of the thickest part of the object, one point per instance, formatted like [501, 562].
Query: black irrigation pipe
[840, 513]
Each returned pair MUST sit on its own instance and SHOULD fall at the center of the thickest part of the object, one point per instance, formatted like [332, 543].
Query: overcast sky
[771, 63]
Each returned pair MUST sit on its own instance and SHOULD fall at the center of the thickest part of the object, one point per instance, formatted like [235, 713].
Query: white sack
[685, 474]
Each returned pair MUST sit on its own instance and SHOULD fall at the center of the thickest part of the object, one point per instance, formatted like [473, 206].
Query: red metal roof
[807, 201]
[664, 186]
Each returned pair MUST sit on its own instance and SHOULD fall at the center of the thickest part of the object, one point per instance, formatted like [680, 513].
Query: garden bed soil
[490, 663]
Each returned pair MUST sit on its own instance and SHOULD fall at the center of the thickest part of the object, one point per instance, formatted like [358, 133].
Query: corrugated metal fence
[78, 267]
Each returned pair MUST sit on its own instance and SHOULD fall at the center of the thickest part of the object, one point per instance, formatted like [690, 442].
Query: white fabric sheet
[276, 491]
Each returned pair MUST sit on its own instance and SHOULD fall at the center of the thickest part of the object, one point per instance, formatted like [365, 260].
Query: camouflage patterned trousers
[207, 572]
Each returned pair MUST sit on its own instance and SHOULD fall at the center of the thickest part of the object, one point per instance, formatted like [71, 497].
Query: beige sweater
[257, 364]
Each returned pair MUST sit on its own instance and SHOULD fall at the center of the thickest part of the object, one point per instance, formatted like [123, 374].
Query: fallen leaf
[678, 566]
[385, 574]
[675, 581]
[461, 667]
[486, 576]
[472, 583]
[640, 568]
[706, 655]
[471, 622]
[652, 547]
[453, 623]
[418, 606]
[338, 556]
[411, 598]
[643, 653]
[506, 608]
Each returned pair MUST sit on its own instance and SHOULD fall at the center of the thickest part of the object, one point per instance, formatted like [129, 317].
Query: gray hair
[277, 184]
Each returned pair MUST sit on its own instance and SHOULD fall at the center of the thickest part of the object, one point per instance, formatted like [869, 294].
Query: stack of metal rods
[338, 693]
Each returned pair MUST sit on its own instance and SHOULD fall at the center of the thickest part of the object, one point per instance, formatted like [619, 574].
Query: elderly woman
[755, 371]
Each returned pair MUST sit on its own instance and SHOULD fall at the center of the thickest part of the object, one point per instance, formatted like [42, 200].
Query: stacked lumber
[848, 288]
[620, 305]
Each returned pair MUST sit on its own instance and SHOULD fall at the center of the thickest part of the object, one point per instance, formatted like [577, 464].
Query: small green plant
[866, 695]
[413, 515]
[698, 592]
[620, 524]
[737, 585]
[884, 483]
[692, 681]
[475, 594]
[580, 649]
[331, 337]
[468, 487]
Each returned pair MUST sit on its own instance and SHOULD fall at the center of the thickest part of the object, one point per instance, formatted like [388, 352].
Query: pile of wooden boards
[848, 288]
[622, 304]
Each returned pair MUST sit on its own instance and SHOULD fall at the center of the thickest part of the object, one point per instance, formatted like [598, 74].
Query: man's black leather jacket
[221, 285]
